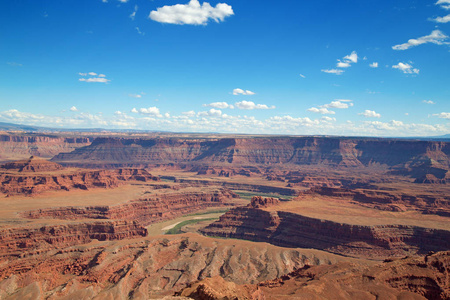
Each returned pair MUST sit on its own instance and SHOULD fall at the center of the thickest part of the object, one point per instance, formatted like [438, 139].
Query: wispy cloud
[436, 37]
[249, 105]
[333, 71]
[94, 77]
[445, 4]
[302, 76]
[374, 65]
[428, 102]
[133, 14]
[443, 115]
[221, 105]
[444, 19]
[14, 64]
[406, 68]
[192, 13]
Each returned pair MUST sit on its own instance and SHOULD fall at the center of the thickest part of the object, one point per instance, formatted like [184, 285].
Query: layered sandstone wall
[146, 210]
[14, 146]
[30, 184]
[29, 239]
[294, 230]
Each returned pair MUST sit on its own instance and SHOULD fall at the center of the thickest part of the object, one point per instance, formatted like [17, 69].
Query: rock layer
[30, 184]
[294, 230]
[146, 210]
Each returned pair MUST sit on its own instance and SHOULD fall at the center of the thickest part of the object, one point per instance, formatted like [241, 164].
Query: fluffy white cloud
[428, 102]
[321, 110]
[333, 71]
[406, 68]
[353, 57]
[192, 13]
[211, 113]
[342, 64]
[73, 108]
[242, 92]
[443, 115]
[92, 74]
[370, 114]
[221, 105]
[151, 111]
[436, 37]
[339, 103]
[374, 65]
[82, 74]
[251, 105]
[444, 19]
[190, 113]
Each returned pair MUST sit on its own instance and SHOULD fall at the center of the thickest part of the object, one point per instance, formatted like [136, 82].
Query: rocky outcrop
[146, 210]
[31, 184]
[13, 146]
[293, 230]
[391, 200]
[146, 268]
[410, 278]
[32, 164]
[29, 239]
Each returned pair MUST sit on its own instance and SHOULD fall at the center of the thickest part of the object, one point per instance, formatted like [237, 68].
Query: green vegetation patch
[247, 195]
[177, 228]
[218, 211]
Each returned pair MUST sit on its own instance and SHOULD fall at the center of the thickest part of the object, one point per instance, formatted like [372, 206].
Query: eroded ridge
[266, 221]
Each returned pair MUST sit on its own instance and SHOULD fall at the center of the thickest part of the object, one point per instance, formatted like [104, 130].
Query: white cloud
[428, 102]
[339, 103]
[343, 64]
[370, 114]
[406, 68]
[374, 65]
[321, 110]
[192, 13]
[436, 37]
[211, 113]
[249, 105]
[444, 4]
[133, 14]
[92, 74]
[139, 31]
[333, 71]
[328, 119]
[302, 76]
[94, 79]
[102, 75]
[73, 108]
[82, 74]
[190, 113]
[443, 115]
[444, 19]
[353, 57]
[242, 92]
[123, 1]
[135, 95]
[151, 111]
[221, 105]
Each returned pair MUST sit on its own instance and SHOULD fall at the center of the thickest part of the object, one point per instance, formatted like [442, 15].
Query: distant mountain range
[31, 128]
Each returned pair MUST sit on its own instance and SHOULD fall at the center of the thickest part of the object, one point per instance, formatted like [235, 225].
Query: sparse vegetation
[177, 228]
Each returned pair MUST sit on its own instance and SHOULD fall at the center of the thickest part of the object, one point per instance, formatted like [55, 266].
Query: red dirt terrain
[425, 277]
[325, 213]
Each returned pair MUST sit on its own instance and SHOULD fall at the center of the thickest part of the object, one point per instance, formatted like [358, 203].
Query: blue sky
[375, 68]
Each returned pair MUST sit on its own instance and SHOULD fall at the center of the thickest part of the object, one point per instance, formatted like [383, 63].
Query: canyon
[88, 216]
